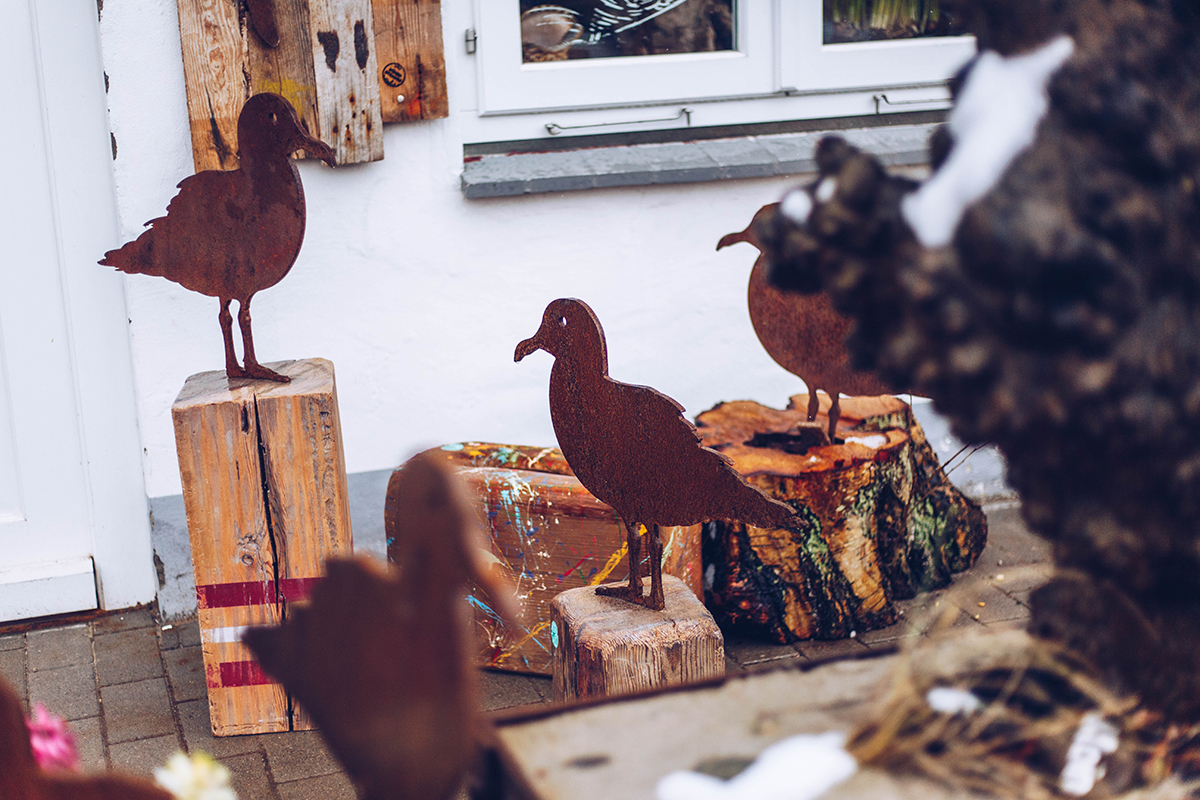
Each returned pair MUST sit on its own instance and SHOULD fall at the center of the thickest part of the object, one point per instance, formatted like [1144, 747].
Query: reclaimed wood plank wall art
[345, 73]
[548, 534]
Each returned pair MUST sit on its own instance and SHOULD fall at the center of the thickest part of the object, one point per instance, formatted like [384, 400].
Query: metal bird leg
[253, 368]
[232, 368]
[632, 591]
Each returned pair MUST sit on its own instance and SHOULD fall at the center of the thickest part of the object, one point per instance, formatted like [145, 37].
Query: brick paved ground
[133, 690]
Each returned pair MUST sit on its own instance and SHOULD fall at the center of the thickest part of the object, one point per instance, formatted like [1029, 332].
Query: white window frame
[781, 71]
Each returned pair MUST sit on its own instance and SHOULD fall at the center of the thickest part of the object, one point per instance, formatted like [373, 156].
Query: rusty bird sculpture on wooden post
[230, 234]
[804, 334]
[382, 658]
[632, 448]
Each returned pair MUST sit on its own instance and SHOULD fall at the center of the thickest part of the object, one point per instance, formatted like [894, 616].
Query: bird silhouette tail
[137, 257]
[753, 507]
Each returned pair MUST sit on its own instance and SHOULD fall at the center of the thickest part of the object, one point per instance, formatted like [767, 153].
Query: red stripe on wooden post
[242, 673]
[252, 593]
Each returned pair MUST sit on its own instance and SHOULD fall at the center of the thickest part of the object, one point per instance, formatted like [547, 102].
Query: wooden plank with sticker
[412, 64]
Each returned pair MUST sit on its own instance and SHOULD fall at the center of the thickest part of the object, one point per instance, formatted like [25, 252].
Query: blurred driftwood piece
[324, 64]
[603, 646]
[264, 486]
[882, 522]
[548, 534]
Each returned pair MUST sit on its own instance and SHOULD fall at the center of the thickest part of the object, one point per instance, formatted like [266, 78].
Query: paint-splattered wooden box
[548, 534]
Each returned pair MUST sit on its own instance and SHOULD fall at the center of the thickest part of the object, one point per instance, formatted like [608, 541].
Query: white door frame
[75, 119]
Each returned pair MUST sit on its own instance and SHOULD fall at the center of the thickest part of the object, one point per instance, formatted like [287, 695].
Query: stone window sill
[648, 164]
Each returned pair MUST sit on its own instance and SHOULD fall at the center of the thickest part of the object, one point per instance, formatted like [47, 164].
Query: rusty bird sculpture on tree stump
[804, 334]
[382, 658]
[230, 234]
[632, 448]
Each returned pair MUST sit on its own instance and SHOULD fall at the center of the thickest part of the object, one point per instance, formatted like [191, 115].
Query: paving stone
[837, 648]
[248, 777]
[185, 668]
[197, 733]
[1021, 579]
[142, 757]
[12, 641]
[137, 710]
[185, 633]
[326, 787]
[12, 671]
[905, 629]
[127, 656]
[507, 689]
[296, 755]
[55, 648]
[996, 606]
[89, 741]
[131, 619]
[69, 692]
[749, 653]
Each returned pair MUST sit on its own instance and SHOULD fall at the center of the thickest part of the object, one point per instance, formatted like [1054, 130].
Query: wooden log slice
[882, 521]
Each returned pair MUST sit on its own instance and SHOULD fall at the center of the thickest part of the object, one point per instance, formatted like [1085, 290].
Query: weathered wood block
[548, 534]
[264, 488]
[883, 522]
[604, 646]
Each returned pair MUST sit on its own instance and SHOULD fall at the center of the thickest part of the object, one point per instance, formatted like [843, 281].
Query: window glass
[575, 29]
[867, 20]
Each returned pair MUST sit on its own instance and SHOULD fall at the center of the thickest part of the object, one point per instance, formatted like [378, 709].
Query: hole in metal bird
[562, 322]
[574, 29]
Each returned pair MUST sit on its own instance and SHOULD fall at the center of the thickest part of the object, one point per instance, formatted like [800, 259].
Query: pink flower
[53, 743]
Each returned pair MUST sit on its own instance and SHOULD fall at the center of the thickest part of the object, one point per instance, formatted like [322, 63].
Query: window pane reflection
[621, 28]
[865, 20]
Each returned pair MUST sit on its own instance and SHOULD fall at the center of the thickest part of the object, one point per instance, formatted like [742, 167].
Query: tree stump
[604, 646]
[548, 534]
[884, 523]
[264, 488]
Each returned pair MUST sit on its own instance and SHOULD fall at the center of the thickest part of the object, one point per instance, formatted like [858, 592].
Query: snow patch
[946, 700]
[799, 768]
[796, 206]
[826, 190]
[996, 117]
[1094, 739]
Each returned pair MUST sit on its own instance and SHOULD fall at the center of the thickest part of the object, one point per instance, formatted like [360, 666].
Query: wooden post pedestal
[264, 486]
[606, 646]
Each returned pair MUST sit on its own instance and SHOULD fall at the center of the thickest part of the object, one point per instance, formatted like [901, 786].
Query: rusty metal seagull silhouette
[230, 234]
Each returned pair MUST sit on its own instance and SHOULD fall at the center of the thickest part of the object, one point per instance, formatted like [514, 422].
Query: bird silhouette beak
[318, 149]
[528, 346]
[732, 238]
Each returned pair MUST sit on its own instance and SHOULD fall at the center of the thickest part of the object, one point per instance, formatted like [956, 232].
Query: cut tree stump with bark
[604, 646]
[883, 522]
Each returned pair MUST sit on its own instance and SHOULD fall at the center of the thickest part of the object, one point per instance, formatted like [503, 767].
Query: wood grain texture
[408, 33]
[548, 534]
[882, 522]
[324, 65]
[264, 484]
[608, 647]
[215, 65]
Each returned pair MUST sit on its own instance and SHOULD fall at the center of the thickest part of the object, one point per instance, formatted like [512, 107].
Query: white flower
[195, 777]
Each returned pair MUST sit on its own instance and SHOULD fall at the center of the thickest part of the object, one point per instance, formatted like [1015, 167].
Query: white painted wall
[418, 296]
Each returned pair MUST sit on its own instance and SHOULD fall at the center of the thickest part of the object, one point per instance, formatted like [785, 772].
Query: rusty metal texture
[804, 334]
[230, 234]
[632, 448]
[382, 657]
[262, 19]
[22, 779]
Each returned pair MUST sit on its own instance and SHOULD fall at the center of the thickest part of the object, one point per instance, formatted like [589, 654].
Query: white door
[74, 533]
